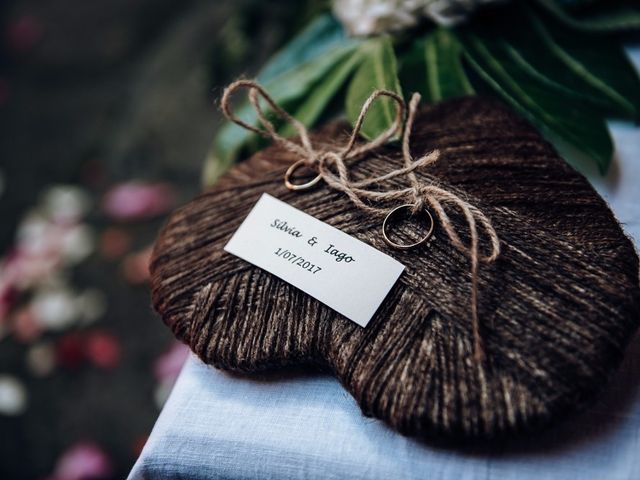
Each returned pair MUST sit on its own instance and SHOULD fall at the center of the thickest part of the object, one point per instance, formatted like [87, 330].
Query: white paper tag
[342, 272]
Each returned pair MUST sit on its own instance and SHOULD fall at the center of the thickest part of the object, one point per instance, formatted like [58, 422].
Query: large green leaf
[604, 65]
[555, 114]
[287, 78]
[598, 64]
[609, 16]
[412, 67]
[590, 69]
[321, 94]
[433, 67]
[284, 89]
[445, 76]
[377, 70]
[321, 35]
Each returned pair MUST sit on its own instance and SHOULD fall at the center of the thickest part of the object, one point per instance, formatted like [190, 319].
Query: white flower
[66, 204]
[452, 12]
[76, 243]
[367, 17]
[55, 308]
[370, 17]
[41, 359]
[91, 304]
[13, 396]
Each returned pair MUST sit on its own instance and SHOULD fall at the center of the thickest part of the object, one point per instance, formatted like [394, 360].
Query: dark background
[93, 93]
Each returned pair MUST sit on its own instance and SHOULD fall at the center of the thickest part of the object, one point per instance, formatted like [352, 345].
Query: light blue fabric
[290, 426]
[298, 425]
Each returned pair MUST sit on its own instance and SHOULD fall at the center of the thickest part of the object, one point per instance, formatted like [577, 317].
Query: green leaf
[321, 94]
[287, 78]
[588, 68]
[433, 67]
[549, 71]
[554, 113]
[600, 63]
[621, 16]
[285, 88]
[377, 70]
[321, 35]
[412, 67]
[445, 76]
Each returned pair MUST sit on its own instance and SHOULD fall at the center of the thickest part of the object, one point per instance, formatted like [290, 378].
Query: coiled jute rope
[417, 195]
[558, 306]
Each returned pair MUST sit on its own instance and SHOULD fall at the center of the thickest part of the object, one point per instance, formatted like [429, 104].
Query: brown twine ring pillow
[556, 309]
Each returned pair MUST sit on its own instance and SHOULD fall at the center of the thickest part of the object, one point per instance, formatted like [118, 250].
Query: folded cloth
[300, 425]
[303, 425]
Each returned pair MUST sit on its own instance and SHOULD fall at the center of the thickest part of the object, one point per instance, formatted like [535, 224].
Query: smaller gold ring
[400, 246]
[302, 186]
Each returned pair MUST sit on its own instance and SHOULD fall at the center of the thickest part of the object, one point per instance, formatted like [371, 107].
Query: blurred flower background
[106, 114]
[370, 17]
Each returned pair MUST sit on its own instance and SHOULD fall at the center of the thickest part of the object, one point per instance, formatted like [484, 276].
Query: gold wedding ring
[302, 186]
[401, 246]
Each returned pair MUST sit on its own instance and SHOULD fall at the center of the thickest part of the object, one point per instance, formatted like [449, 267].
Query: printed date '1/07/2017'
[296, 260]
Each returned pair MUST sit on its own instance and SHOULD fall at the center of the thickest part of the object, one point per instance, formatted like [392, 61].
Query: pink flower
[103, 349]
[100, 348]
[168, 365]
[23, 268]
[114, 242]
[83, 461]
[135, 266]
[138, 200]
[166, 369]
[42, 248]
[50, 239]
[25, 326]
[70, 351]
[8, 298]
[23, 34]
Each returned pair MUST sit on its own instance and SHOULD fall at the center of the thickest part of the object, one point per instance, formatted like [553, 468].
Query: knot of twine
[331, 167]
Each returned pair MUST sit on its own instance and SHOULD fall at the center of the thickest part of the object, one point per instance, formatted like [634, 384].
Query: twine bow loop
[331, 167]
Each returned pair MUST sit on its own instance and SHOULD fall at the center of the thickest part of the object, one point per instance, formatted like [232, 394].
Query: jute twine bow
[331, 167]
